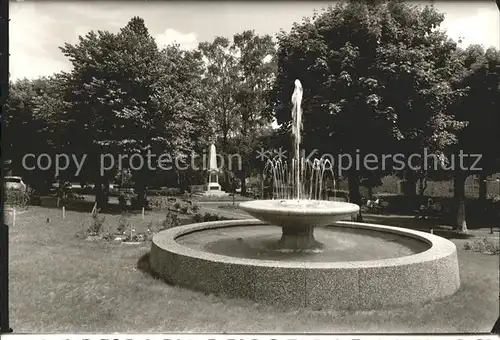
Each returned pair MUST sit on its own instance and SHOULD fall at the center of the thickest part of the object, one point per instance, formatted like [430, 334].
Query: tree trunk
[145, 197]
[483, 189]
[243, 177]
[99, 192]
[141, 190]
[227, 181]
[183, 182]
[422, 185]
[370, 191]
[409, 185]
[459, 196]
[60, 189]
[142, 196]
[354, 194]
[106, 192]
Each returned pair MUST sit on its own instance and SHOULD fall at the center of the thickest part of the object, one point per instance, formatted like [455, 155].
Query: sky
[38, 28]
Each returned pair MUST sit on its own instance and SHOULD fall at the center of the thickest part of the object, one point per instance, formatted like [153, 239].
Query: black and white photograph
[250, 167]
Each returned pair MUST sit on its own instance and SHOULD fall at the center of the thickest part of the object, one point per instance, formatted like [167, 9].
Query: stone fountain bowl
[299, 214]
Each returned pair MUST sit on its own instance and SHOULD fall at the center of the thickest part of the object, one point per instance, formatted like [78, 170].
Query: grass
[59, 283]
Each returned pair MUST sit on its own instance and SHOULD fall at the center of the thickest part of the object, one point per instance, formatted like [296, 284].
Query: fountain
[276, 258]
[296, 212]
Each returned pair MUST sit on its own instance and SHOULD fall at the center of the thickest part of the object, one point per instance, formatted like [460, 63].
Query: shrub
[208, 217]
[195, 208]
[198, 218]
[228, 206]
[123, 200]
[150, 226]
[96, 226]
[484, 246]
[159, 203]
[215, 217]
[33, 196]
[134, 238]
[150, 231]
[82, 232]
[123, 224]
[18, 199]
[184, 207]
[107, 237]
[164, 191]
[492, 247]
[171, 220]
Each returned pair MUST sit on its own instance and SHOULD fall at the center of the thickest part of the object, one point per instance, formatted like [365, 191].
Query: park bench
[377, 208]
[435, 210]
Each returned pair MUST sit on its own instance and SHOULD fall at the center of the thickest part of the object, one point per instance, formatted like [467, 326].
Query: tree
[257, 72]
[221, 82]
[125, 98]
[237, 80]
[375, 77]
[33, 125]
[185, 69]
[481, 109]
[220, 79]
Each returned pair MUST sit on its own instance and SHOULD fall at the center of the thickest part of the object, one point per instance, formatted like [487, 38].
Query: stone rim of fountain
[384, 283]
[438, 246]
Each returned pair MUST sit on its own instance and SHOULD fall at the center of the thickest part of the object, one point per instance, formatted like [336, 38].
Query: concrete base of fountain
[298, 239]
[236, 259]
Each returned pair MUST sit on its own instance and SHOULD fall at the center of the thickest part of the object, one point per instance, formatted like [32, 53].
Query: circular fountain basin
[341, 244]
[362, 266]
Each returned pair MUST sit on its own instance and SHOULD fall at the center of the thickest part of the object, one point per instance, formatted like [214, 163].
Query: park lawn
[59, 283]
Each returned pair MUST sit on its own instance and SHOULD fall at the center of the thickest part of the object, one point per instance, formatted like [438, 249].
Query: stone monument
[213, 187]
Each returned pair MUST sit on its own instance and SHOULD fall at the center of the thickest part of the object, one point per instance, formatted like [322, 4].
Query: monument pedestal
[213, 187]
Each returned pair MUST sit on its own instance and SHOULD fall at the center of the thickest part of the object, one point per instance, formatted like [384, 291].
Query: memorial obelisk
[213, 187]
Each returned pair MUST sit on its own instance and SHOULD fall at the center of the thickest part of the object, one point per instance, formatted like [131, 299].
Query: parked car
[76, 186]
[14, 183]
